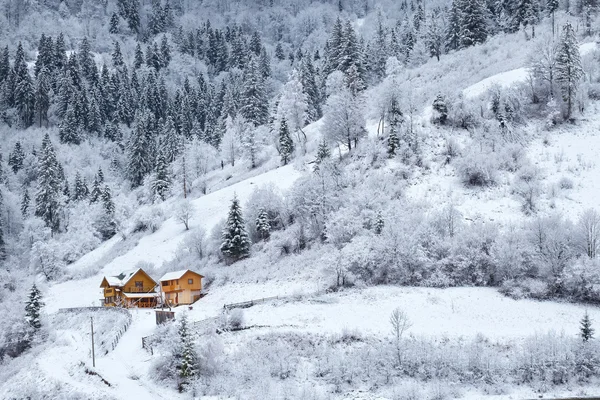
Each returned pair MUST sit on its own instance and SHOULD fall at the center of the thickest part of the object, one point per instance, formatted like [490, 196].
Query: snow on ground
[161, 246]
[434, 312]
[512, 77]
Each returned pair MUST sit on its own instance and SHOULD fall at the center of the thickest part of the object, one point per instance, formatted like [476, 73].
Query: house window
[177, 281]
[139, 285]
[190, 281]
[165, 283]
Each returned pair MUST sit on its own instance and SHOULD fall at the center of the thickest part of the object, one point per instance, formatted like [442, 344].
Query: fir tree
[96, 193]
[69, 128]
[395, 120]
[473, 25]
[279, 54]
[440, 107]
[113, 26]
[117, 56]
[139, 151]
[138, 59]
[569, 70]
[188, 357]
[586, 331]
[263, 226]
[323, 152]
[379, 223]
[236, 243]
[107, 225]
[25, 201]
[162, 180]
[4, 64]
[16, 158]
[48, 195]
[551, 8]
[42, 97]
[33, 308]
[286, 144]
[308, 78]
[24, 96]
[255, 106]
[165, 52]
[80, 189]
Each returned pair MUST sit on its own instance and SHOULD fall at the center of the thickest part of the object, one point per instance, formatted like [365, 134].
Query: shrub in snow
[451, 149]
[148, 218]
[232, 319]
[565, 183]
[478, 168]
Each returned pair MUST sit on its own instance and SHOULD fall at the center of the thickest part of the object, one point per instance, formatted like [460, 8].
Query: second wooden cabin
[181, 287]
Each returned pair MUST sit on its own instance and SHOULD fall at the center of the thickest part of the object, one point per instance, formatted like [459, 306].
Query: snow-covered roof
[169, 276]
[140, 295]
[122, 278]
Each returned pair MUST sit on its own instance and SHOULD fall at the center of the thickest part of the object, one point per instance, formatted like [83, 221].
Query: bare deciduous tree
[184, 212]
[588, 233]
[400, 324]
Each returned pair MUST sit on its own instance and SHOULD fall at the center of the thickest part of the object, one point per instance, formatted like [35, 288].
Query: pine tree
[586, 330]
[48, 195]
[69, 128]
[308, 78]
[453, 30]
[473, 26]
[138, 59]
[263, 226]
[4, 65]
[16, 158]
[117, 56]
[286, 144]
[379, 223]
[188, 357]
[80, 189]
[96, 193]
[42, 97]
[165, 52]
[113, 26]
[395, 118]
[255, 106]
[107, 225]
[440, 107]
[236, 243]
[25, 201]
[279, 54]
[569, 70]
[33, 308]
[139, 150]
[323, 152]
[162, 180]
[24, 97]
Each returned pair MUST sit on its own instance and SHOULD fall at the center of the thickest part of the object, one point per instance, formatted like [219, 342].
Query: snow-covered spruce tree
[379, 223]
[106, 224]
[236, 242]
[286, 144]
[395, 118]
[139, 151]
[188, 356]
[586, 332]
[441, 110]
[24, 96]
[49, 186]
[25, 204]
[162, 179]
[96, 192]
[42, 97]
[308, 78]
[263, 226]
[473, 24]
[255, 104]
[69, 128]
[569, 70]
[16, 158]
[113, 27]
[323, 152]
[453, 30]
[33, 308]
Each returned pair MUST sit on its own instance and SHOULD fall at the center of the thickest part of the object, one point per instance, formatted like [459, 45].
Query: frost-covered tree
[255, 104]
[188, 356]
[69, 128]
[263, 226]
[33, 308]
[286, 144]
[25, 204]
[323, 152]
[49, 186]
[587, 233]
[569, 70]
[162, 179]
[113, 25]
[293, 106]
[344, 121]
[184, 211]
[42, 97]
[236, 242]
[16, 158]
[586, 332]
[139, 150]
[379, 223]
[441, 110]
[396, 119]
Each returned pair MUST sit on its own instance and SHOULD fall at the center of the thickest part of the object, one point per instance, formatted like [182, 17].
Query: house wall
[182, 290]
[147, 282]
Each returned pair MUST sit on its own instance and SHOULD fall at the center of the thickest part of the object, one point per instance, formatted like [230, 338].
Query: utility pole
[184, 179]
[93, 354]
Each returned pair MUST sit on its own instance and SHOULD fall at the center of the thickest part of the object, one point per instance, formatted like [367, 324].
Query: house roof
[169, 276]
[124, 277]
[140, 295]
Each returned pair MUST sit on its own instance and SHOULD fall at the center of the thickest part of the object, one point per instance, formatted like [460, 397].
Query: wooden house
[181, 287]
[133, 288]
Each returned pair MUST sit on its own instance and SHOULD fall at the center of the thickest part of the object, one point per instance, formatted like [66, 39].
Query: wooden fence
[120, 332]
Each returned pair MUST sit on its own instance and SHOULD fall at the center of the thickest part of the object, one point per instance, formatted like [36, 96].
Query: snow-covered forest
[379, 166]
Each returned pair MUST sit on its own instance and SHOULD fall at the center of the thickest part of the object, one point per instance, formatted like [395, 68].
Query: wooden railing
[250, 303]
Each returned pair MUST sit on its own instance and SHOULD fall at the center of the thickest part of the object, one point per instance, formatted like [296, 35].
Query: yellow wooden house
[133, 288]
[181, 287]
